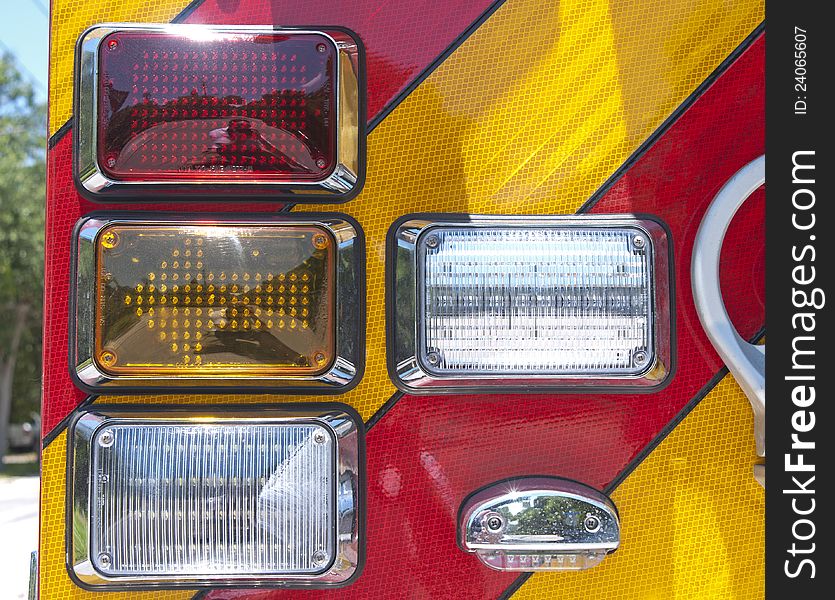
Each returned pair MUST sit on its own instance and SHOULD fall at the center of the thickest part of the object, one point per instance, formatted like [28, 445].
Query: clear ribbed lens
[529, 303]
[553, 301]
[195, 499]
[212, 499]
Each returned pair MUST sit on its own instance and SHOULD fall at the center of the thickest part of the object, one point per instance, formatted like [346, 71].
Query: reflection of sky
[516, 507]
[26, 36]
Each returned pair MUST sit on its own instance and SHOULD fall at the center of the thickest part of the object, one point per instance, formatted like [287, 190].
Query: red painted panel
[739, 255]
[426, 454]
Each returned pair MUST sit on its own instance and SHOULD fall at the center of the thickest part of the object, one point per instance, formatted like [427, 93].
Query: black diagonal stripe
[56, 137]
[670, 120]
[662, 435]
[62, 424]
[426, 72]
[514, 587]
[186, 12]
[381, 412]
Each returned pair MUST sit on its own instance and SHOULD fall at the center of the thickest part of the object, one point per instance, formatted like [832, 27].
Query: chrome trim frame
[341, 421]
[343, 182]
[33, 576]
[557, 538]
[349, 316]
[409, 374]
[745, 361]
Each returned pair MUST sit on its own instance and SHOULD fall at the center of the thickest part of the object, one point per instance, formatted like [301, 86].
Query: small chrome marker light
[529, 303]
[217, 302]
[179, 496]
[539, 524]
[240, 112]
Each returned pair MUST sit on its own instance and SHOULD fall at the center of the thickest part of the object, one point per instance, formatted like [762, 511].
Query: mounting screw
[640, 358]
[107, 358]
[107, 438]
[639, 242]
[319, 437]
[591, 523]
[109, 240]
[433, 358]
[321, 48]
[105, 560]
[494, 522]
[433, 241]
[112, 44]
[319, 557]
[321, 162]
[320, 241]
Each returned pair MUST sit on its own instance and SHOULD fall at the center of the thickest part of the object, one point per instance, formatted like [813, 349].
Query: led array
[546, 301]
[233, 106]
[191, 298]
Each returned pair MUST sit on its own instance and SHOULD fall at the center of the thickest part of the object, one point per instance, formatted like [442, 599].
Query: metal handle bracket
[744, 360]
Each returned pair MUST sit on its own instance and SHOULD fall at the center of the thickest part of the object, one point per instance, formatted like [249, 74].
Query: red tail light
[239, 111]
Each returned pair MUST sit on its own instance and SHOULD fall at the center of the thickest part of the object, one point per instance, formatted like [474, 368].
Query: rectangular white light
[529, 302]
[176, 499]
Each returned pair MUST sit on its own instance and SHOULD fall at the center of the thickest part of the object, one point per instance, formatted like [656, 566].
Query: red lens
[217, 106]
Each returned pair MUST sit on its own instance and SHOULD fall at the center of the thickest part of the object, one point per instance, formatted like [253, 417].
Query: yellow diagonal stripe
[69, 19]
[692, 515]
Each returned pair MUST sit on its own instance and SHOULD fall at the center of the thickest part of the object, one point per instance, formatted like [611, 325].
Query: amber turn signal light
[179, 302]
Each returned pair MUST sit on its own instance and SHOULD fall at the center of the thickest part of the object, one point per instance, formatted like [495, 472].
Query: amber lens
[226, 300]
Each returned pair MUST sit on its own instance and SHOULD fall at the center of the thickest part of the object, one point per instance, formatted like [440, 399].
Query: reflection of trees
[22, 132]
[243, 132]
[552, 515]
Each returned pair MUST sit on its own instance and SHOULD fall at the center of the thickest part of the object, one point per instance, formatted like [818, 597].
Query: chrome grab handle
[744, 360]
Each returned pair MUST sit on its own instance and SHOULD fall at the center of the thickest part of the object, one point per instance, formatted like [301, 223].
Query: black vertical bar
[799, 223]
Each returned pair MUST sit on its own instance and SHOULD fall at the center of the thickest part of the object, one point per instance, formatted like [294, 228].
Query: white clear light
[550, 301]
[191, 499]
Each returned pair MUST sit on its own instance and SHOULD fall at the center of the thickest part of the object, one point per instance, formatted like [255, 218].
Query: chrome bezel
[344, 181]
[349, 318]
[528, 490]
[342, 422]
[404, 283]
